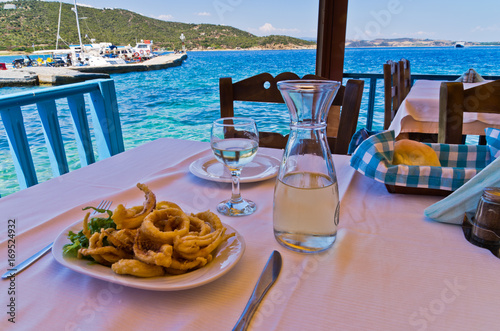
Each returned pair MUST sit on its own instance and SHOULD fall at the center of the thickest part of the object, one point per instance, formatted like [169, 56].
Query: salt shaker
[486, 225]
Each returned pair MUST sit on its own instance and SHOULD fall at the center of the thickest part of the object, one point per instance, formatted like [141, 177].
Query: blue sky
[458, 20]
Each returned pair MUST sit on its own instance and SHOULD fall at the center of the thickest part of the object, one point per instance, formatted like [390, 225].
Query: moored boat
[144, 49]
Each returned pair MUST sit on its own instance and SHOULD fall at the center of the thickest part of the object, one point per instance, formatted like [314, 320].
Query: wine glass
[234, 141]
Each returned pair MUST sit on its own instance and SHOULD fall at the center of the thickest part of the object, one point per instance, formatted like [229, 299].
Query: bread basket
[459, 163]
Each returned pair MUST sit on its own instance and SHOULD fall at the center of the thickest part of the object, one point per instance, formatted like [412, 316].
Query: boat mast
[78, 27]
[58, 25]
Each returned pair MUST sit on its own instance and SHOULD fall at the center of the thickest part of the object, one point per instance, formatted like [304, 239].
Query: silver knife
[26, 263]
[266, 280]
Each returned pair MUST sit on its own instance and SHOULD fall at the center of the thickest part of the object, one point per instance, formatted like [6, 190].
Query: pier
[42, 75]
[45, 76]
[156, 63]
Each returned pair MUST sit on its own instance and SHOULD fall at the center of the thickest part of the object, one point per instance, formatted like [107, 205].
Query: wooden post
[332, 21]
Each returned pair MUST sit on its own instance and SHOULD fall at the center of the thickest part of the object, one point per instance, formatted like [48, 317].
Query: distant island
[412, 42]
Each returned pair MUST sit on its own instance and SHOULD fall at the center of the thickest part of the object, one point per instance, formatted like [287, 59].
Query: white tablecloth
[419, 112]
[390, 269]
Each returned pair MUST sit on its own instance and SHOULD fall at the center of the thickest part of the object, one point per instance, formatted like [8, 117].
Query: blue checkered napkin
[373, 158]
[358, 137]
[493, 140]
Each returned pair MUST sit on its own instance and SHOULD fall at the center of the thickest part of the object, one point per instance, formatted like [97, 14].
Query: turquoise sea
[182, 102]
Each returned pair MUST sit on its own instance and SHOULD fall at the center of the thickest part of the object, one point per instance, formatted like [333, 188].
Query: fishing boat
[144, 49]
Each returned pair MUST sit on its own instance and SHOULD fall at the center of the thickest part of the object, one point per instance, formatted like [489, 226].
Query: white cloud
[268, 28]
[203, 14]
[417, 34]
[485, 28]
[164, 17]
[84, 5]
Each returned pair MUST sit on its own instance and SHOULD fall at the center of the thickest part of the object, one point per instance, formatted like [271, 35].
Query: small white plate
[225, 258]
[262, 167]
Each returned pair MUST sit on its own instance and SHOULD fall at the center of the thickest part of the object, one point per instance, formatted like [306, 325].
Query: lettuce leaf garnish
[95, 224]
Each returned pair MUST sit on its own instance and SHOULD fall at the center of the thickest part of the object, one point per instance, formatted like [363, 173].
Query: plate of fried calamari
[156, 246]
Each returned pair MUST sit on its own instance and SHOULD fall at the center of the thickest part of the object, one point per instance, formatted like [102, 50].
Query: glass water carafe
[306, 200]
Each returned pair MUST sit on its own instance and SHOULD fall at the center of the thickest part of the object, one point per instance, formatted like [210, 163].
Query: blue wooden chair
[105, 121]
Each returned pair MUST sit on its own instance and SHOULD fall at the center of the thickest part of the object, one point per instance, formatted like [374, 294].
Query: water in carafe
[306, 199]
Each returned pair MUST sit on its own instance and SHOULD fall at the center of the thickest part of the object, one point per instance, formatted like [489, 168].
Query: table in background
[390, 269]
[419, 112]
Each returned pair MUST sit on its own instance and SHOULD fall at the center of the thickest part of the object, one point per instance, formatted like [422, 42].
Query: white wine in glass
[234, 141]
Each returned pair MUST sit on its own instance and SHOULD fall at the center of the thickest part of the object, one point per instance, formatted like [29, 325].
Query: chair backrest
[263, 88]
[392, 92]
[454, 101]
[404, 78]
[105, 120]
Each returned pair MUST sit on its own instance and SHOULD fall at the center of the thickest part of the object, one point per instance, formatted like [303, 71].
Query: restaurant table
[419, 112]
[389, 269]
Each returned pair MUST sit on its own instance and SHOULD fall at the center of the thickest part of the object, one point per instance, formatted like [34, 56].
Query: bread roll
[411, 152]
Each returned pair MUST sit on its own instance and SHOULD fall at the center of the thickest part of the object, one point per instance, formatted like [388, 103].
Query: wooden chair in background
[263, 88]
[454, 101]
[392, 92]
[404, 78]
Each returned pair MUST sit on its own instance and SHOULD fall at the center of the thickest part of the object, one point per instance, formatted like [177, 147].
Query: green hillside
[35, 23]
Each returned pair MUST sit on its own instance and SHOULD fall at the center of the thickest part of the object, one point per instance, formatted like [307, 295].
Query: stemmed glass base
[240, 207]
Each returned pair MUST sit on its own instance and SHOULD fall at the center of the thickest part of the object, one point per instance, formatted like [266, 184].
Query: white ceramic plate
[262, 167]
[225, 258]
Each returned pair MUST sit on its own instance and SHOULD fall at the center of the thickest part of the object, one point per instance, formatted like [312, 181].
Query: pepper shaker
[486, 225]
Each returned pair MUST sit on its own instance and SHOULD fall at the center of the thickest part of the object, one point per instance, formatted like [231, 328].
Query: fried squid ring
[164, 225]
[198, 227]
[210, 218]
[152, 252]
[137, 268]
[132, 218]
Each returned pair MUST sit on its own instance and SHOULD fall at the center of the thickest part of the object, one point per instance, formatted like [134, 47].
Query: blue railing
[105, 121]
[372, 87]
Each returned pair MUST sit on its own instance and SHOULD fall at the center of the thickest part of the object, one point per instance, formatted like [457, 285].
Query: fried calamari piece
[210, 218]
[122, 239]
[179, 263]
[152, 252]
[193, 246]
[164, 225]
[132, 218]
[198, 227]
[106, 255]
[137, 268]
[86, 230]
[166, 204]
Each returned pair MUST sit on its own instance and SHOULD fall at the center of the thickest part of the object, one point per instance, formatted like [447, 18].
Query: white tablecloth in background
[390, 269]
[419, 112]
